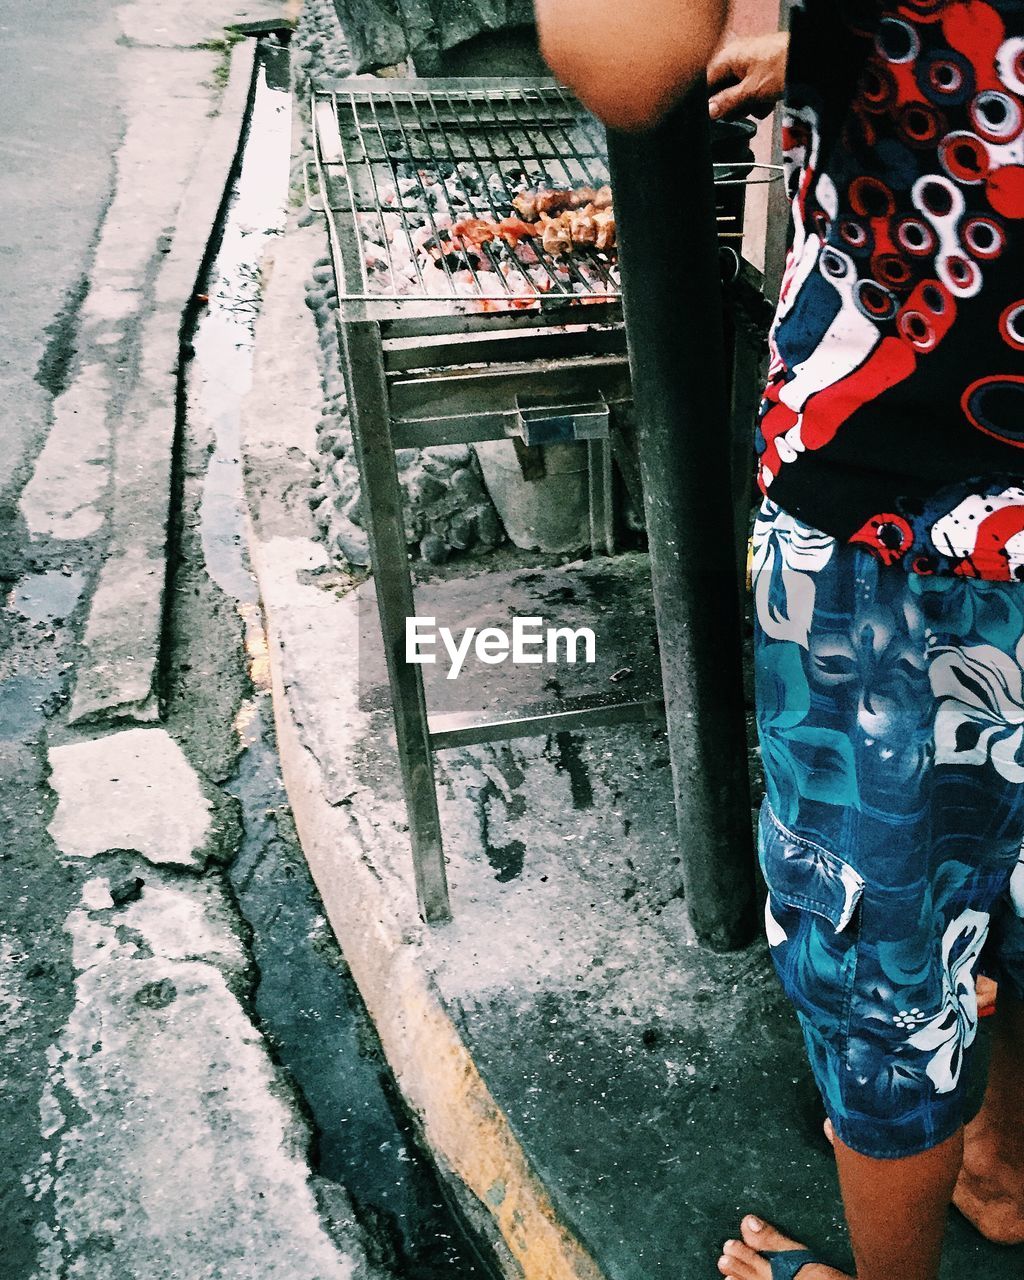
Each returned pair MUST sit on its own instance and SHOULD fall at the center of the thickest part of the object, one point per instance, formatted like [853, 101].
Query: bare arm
[629, 60]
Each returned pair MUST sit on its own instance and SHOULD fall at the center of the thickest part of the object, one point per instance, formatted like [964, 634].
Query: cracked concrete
[105, 468]
[131, 790]
[150, 1133]
[64, 498]
[134, 1174]
[173, 1147]
[122, 638]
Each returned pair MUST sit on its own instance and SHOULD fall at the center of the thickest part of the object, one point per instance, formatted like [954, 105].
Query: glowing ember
[501, 243]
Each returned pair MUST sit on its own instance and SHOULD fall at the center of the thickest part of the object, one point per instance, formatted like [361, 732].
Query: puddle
[22, 702]
[224, 336]
[306, 1000]
[46, 597]
[42, 602]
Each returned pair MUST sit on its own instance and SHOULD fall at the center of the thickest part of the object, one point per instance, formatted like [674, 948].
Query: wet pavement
[35, 896]
[117, 962]
[304, 999]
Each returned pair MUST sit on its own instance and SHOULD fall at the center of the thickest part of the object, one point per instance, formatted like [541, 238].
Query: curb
[120, 672]
[371, 908]
[468, 1134]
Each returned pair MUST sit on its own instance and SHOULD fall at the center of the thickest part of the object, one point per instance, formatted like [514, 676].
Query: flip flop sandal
[788, 1262]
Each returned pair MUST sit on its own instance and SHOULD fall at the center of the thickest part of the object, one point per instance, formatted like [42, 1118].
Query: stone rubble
[384, 33]
[447, 508]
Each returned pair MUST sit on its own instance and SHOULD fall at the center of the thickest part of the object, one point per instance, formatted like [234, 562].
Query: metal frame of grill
[406, 126]
[369, 130]
[428, 367]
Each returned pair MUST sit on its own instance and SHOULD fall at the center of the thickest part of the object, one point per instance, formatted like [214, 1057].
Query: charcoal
[430, 489]
[353, 511]
[488, 525]
[462, 532]
[351, 544]
[455, 455]
[434, 549]
[466, 483]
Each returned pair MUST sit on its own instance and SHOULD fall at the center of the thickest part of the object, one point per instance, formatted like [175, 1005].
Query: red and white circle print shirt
[894, 413]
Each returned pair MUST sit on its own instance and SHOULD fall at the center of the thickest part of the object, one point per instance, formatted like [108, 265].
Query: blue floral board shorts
[890, 713]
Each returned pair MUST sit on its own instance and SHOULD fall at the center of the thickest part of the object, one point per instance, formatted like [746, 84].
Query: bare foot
[989, 1192]
[744, 1260]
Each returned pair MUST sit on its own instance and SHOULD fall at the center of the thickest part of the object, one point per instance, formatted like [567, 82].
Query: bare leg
[896, 1211]
[990, 1192]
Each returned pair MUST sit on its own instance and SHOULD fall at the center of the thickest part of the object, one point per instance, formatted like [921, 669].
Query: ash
[450, 231]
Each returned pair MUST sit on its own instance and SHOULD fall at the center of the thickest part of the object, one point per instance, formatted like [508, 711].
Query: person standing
[888, 577]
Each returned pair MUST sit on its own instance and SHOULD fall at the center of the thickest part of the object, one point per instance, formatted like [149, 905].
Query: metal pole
[777, 230]
[668, 254]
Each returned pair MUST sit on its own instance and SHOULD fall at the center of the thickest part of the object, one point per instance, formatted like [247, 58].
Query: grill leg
[382, 506]
[602, 511]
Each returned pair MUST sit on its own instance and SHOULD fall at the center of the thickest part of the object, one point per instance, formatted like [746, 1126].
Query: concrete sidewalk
[150, 1130]
[105, 469]
[605, 1097]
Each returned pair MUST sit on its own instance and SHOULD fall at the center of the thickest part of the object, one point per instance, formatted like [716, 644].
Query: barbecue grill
[382, 147]
[441, 346]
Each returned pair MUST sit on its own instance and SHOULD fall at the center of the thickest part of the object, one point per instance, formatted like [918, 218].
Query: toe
[760, 1235]
[744, 1263]
[830, 1133]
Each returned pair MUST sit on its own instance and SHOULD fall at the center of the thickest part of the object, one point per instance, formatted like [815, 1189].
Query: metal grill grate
[400, 162]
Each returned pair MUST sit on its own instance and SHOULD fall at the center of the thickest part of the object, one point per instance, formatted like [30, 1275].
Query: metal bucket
[550, 513]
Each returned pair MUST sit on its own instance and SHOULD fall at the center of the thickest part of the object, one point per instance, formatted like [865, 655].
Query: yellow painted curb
[465, 1128]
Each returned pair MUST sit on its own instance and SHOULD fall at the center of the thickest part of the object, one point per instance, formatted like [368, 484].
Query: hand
[751, 71]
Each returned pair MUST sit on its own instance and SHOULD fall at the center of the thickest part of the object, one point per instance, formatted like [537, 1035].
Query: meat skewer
[455, 247]
[551, 200]
[562, 220]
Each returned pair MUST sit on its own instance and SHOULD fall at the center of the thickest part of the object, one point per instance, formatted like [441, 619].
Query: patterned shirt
[893, 418]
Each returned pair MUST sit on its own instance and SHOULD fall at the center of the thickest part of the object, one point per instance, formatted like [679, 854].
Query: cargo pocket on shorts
[812, 923]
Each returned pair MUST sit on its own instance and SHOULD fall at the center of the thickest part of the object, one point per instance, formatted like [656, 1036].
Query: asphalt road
[59, 105]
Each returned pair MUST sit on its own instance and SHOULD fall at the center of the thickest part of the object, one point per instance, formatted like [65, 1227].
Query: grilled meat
[562, 220]
[478, 231]
[553, 200]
